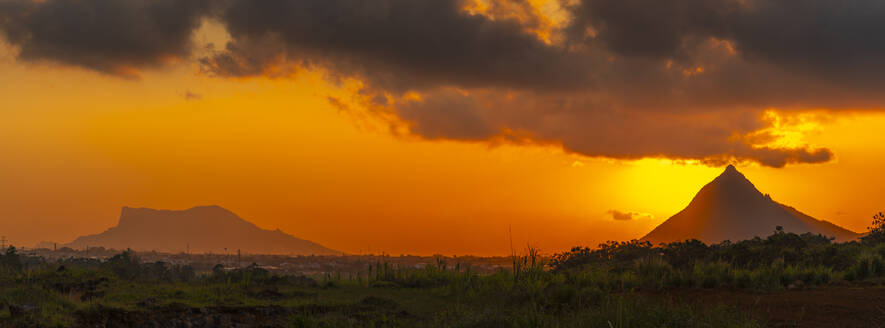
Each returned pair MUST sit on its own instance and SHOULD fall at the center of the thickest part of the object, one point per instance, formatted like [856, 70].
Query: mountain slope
[731, 208]
[201, 229]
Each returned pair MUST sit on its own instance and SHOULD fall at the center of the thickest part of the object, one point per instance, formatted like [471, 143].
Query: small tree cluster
[806, 249]
[11, 260]
[128, 266]
[876, 233]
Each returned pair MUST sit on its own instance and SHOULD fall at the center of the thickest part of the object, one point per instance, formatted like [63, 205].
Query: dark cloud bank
[111, 36]
[623, 78]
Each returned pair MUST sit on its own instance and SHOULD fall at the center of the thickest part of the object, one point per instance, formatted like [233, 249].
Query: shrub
[11, 260]
[743, 279]
[862, 269]
[683, 255]
[713, 274]
[125, 265]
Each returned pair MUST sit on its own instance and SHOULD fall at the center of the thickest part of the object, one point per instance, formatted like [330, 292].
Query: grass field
[800, 281]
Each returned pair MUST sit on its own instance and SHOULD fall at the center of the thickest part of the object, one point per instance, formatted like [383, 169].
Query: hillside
[199, 229]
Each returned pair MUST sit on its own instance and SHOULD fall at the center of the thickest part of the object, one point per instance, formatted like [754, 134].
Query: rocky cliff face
[200, 229]
[731, 208]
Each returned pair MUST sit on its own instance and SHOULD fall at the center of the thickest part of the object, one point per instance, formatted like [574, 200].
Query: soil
[830, 307]
[821, 307]
[180, 315]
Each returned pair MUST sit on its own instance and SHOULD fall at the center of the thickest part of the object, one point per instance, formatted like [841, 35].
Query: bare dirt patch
[825, 307]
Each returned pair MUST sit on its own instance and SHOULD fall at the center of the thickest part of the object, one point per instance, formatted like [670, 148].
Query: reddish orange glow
[277, 153]
[76, 146]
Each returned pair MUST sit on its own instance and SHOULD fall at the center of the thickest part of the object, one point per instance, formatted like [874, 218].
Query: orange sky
[76, 145]
[278, 154]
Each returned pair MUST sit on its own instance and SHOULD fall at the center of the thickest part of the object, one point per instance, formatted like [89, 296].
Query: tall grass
[605, 287]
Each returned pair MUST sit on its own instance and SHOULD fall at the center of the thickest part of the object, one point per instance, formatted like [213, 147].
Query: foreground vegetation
[124, 293]
[618, 284]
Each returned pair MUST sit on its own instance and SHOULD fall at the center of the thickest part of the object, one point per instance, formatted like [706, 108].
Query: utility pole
[3, 241]
[238, 258]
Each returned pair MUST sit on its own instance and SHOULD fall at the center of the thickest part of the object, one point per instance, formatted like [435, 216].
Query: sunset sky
[423, 127]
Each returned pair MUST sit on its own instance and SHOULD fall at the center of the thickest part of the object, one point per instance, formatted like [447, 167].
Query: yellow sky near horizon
[78, 145]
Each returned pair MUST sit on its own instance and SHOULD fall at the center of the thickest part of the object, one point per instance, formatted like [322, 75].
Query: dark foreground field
[827, 307]
[288, 304]
[786, 280]
[836, 306]
[822, 307]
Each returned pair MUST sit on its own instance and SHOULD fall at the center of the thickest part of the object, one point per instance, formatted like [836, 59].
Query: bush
[11, 260]
[862, 269]
[616, 255]
[712, 274]
[653, 272]
[682, 255]
[743, 279]
[774, 262]
[125, 265]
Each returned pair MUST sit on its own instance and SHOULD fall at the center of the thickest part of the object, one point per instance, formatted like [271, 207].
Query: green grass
[616, 285]
[391, 297]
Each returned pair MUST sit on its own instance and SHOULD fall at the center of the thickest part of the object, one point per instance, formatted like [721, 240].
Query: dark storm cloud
[110, 36]
[450, 115]
[396, 44]
[821, 38]
[657, 29]
[684, 79]
[584, 126]
[844, 40]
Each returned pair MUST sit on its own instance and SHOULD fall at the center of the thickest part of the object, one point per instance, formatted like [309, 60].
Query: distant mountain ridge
[200, 229]
[731, 208]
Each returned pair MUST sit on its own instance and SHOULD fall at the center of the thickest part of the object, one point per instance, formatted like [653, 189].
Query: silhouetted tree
[612, 255]
[126, 265]
[685, 254]
[11, 260]
[876, 230]
[183, 273]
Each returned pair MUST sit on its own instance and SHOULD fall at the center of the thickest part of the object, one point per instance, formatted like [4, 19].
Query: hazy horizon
[727, 208]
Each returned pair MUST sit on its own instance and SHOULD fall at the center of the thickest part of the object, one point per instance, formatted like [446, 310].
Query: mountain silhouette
[199, 229]
[731, 208]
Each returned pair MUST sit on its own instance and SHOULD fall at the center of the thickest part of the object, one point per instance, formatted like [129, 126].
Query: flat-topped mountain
[731, 208]
[199, 229]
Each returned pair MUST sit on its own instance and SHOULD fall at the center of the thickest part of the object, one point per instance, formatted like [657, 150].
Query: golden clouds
[543, 18]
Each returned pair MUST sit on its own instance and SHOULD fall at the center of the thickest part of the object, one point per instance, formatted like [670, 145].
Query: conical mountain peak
[730, 169]
[731, 208]
[731, 183]
[732, 173]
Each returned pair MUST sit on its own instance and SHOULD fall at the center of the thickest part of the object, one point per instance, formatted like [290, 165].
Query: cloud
[627, 216]
[449, 115]
[815, 38]
[640, 85]
[625, 79]
[581, 125]
[188, 95]
[395, 44]
[117, 37]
